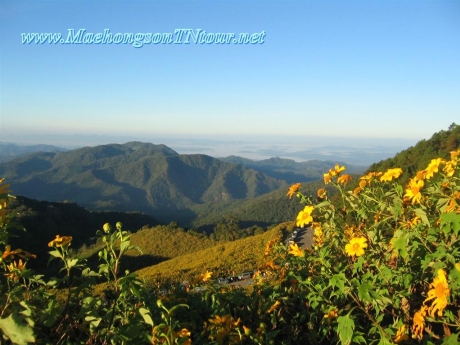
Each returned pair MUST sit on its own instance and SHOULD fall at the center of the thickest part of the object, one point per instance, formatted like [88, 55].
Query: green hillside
[417, 157]
[222, 258]
[42, 221]
[290, 170]
[9, 151]
[142, 177]
[270, 208]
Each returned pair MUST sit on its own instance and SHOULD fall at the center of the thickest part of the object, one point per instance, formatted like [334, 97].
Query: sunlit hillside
[223, 259]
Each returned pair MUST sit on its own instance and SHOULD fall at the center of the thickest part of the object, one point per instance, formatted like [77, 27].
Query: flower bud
[106, 227]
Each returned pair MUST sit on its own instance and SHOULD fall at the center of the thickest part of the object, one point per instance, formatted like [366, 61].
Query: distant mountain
[290, 170]
[417, 157]
[135, 176]
[9, 151]
[271, 208]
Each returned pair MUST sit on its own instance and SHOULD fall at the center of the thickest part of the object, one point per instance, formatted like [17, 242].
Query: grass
[223, 259]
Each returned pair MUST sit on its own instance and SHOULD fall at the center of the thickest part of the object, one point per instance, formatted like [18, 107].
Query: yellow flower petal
[356, 246]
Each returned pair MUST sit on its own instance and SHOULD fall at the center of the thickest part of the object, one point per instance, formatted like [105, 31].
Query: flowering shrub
[384, 269]
[387, 268]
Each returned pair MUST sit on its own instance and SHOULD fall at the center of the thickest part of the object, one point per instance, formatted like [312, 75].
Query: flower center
[356, 246]
[441, 291]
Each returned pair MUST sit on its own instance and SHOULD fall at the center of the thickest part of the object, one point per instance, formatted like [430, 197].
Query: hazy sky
[368, 69]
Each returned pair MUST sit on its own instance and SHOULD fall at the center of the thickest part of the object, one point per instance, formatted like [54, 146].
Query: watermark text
[138, 40]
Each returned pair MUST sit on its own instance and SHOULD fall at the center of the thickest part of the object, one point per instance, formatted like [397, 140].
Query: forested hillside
[270, 208]
[290, 170]
[417, 157]
[40, 221]
[9, 151]
[135, 177]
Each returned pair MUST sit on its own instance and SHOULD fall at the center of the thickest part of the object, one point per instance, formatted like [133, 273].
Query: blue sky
[355, 69]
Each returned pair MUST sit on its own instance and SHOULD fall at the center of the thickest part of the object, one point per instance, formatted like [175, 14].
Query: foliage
[384, 269]
[66, 309]
[417, 157]
[142, 177]
[41, 220]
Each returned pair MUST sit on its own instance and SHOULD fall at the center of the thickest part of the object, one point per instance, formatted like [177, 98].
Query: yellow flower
[345, 178]
[321, 193]
[247, 330]
[293, 189]
[7, 253]
[270, 245]
[401, 335]
[327, 178]
[332, 314]
[370, 175]
[304, 217]
[349, 231]
[449, 169]
[433, 167]
[337, 170]
[207, 276]
[273, 307]
[271, 265]
[454, 154]
[439, 293]
[391, 174]
[419, 323]
[184, 332]
[60, 241]
[356, 246]
[318, 238]
[296, 251]
[451, 206]
[413, 191]
[14, 269]
[411, 223]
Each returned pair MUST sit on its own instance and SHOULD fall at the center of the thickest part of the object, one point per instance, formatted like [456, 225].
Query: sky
[370, 70]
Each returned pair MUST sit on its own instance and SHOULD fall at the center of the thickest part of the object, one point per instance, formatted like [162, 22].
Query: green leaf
[399, 242]
[72, 262]
[323, 204]
[124, 245]
[450, 221]
[145, 313]
[345, 329]
[451, 340]
[363, 292]
[55, 253]
[338, 280]
[20, 334]
[422, 214]
[384, 341]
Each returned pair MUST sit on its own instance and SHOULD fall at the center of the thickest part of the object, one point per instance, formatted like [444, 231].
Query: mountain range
[144, 177]
[9, 151]
[290, 170]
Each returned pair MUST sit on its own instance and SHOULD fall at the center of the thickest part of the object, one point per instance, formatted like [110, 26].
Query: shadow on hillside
[134, 263]
[209, 228]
